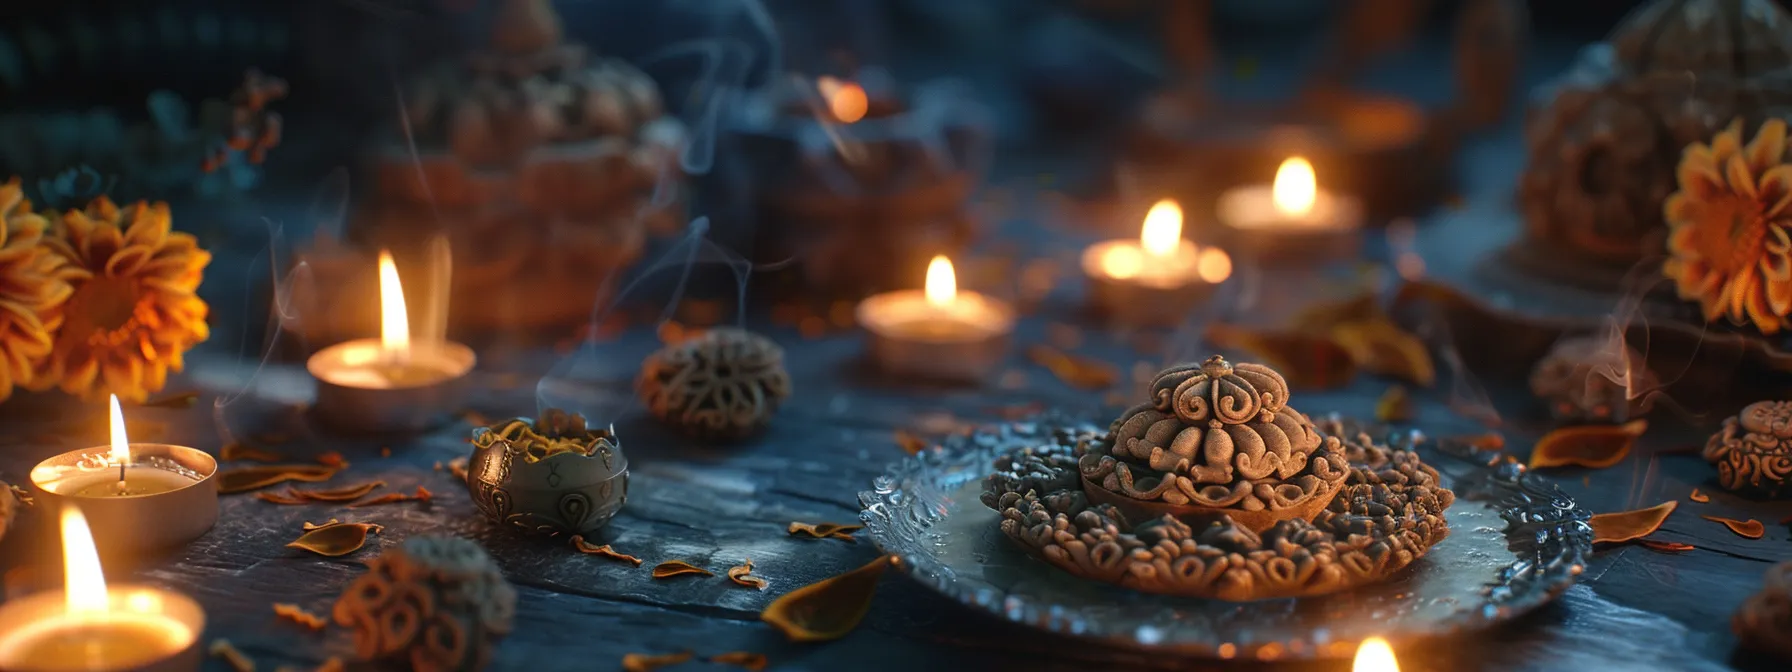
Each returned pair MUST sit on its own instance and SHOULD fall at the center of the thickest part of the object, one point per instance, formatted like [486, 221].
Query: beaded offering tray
[1516, 542]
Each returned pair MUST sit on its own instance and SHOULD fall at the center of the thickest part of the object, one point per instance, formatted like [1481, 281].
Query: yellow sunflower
[1729, 247]
[30, 290]
[133, 313]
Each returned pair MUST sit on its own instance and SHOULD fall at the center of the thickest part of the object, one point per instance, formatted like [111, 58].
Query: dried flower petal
[244, 479]
[827, 609]
[1395, 405]
[335, 540]
[909, 443]
[1697, 496]
[1305, 360]
[458, 467]
[1381, 347]
[1594, 446]
[312, 526]
[175, 400]
[297, 614]
[333, 460]
[671, 568]
[285, 498]
[1750, 528]
[237, 451]
[743, 575]
[347, 493]
[824, 530]
[422, 495]
[1665, 546]
[647, 662]
[752, 662]
[1075, 370]
[603, 551]
[222, 648]
[1628, 525]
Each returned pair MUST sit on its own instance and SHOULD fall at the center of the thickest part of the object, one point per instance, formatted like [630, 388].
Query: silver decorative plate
[1516, 542]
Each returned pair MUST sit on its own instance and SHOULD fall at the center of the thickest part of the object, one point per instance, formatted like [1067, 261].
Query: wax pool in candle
[113, 641]
[138, 480]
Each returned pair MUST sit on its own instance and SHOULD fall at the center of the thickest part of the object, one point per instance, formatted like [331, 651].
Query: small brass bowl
[518, 485]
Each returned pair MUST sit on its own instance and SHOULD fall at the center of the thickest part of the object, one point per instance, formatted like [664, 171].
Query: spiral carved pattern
[724, 384]
[433, 604]
[1753, 451]
[1764, 622]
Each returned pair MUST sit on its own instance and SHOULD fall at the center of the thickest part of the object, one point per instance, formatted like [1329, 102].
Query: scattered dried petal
[1750, 528]
[1627, 525]
[824, 530]
[752, 662]
[347, 493]
[244, 479]
[1381, 347]
[647, 662]
[1395, 405]
[827, 609]
[222, 648]
[1594, 446]
[603, 551]
[237, 451]
[909, 443]
[1306, 360]
[297, 614]
[312, 526]
[1075, 370]
[335, 540]
[333, 460]
[422, 495]
[743, 575]
[284, 498]
[176, 400]
[1665, 546]
[1697, 496]
[458, 467]
[671, 568]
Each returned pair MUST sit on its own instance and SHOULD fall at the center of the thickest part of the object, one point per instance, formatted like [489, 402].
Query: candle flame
[1296, 187]
[942, 284]
[846, 100]
[83, 582]
[395, 322]
[1374, 655]
[1162, 232]
[1213, 265]
[121, 444]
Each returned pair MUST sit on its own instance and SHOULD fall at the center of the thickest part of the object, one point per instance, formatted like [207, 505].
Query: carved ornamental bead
[1753, 451]
[723, 384]
[433, 604]
[1764, 622]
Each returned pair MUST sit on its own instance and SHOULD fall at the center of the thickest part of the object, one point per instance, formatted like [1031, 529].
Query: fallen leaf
[347, 493]
[458, 467]
[222, 648]
[743, 575]
[312, 526]
[176, 400]
[909, 443]
[297, 614]
[335, 540]
[752, 662]
[237, 451]
[1627, 525]
[1750, 528]
[671, 568]
[1665, 546]
[284, 498]
[1383, 348]
[1305, 360]
[244, 479]
[1076, 371]
[1395, 405]
[827, 609]
[1594, 446]
[824, 530]
[1697, 496]
[603, 551]
[1322, 316]
[422, 495]
[647, 662]
[332, 460]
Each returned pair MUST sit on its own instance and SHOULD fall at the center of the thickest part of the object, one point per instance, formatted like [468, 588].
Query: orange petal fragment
[422, 495]
[458, 467]
[1594, 446]
[1750, 528]
[1665, 546]
[1489, 441]
[824, 530]
[1306, 360]
[1699, 497]
[752, 662]
[347, 493]
[743, 575]
[299, 615]
[237, 451]
[909, 443]
[1075, 370]
[1395, 405]
[603, 551]
[222, 648]
[671, 568]
[244, 479]
[827, 609]
[333, 460]
[312, 526]
[335, 540]
[1383, 348]
[647, 662]
[1627, 525]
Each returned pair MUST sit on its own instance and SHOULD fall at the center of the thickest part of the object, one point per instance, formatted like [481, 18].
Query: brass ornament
[432, 604]
[550, 475]
[723, 384]
[1753, 450]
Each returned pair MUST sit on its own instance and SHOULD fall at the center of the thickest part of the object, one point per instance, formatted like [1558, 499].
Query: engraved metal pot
[563, 493]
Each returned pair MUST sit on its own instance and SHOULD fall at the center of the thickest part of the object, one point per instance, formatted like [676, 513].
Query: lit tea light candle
[1156, 279]
[846, 101]
[1374, 655]
[390, 383]
[1292, 217]
[90, 627]
[938, 332]
[139, 495]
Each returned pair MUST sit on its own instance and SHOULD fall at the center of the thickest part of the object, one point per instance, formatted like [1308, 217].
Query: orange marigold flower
[1728, 243]
[30, 290]
[134, 312]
